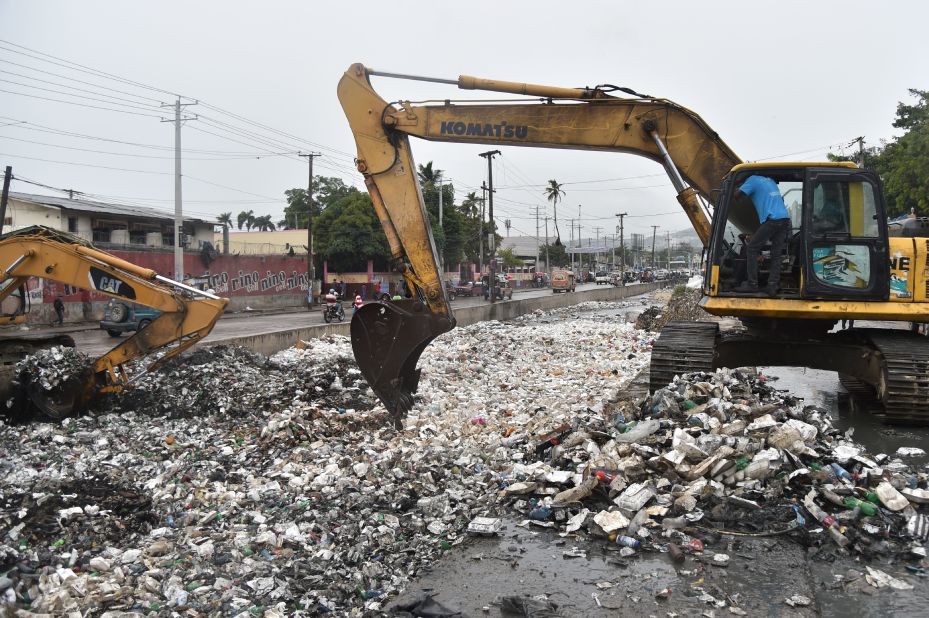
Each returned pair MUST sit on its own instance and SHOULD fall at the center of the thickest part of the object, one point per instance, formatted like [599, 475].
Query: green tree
[557, 256]
[428, 175]
[246, 218]
[348, 234]
[326, 190]
[263, 223]
[554, 193]
[470, 234]
[903, 163]
[225, 219]
[508, 259]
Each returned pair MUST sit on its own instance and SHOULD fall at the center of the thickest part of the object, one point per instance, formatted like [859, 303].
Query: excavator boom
[385, 341]
[187, 315]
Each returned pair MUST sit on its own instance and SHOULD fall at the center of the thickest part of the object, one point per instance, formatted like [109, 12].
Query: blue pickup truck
[124, 317]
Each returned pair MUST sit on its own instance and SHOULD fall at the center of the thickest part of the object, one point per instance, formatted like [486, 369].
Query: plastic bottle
[628, 541]
[840, 472]
[832, 497]
[865, 507]
[674, 523]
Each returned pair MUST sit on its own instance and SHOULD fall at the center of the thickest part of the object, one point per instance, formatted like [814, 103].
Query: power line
[110, 100]
[74, 79]
[121, 111]
[128, 154]
[106, 167]
[31, 126]
[74, 66]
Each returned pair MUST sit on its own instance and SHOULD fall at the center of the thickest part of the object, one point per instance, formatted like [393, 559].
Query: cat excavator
[187, 316]
[840, 261]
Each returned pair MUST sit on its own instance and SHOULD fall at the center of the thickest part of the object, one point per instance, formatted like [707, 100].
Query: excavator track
[904, 389]
[682, 347]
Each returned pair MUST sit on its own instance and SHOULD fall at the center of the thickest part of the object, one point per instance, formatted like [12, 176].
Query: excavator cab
[837, 246]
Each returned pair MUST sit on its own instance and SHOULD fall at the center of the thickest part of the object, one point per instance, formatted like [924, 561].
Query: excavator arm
[187, 315]
[692, 154]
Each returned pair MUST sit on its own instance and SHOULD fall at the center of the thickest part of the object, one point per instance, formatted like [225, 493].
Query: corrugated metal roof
[123, 210]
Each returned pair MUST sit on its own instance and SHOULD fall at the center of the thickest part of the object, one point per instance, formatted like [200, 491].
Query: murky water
[822, 389]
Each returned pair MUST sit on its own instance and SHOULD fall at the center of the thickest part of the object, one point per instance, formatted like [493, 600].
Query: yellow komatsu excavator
[187, 314]
[840, 260]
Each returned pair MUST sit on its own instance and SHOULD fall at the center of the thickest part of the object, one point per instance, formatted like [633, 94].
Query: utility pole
[536, 239]
[178, 207]
[654, 227]
[622, 249]
[491, 249]
[860, 141]
[310, 267]
[597, 245]
[572, 245]
[480, 260]
[546, 243]
[668, 237]
[441, 253]
[6, 195]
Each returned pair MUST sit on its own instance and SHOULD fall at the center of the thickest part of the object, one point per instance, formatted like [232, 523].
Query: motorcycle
[333, 311]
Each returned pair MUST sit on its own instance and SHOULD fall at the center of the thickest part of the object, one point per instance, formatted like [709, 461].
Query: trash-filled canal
[236, 485]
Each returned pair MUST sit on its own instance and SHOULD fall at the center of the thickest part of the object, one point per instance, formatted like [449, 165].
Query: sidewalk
[71, 327]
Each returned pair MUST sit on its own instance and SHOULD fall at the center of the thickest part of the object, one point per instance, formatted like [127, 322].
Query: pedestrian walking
[59, 310]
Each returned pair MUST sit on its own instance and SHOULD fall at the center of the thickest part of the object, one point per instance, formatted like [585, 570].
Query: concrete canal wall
[275, 341]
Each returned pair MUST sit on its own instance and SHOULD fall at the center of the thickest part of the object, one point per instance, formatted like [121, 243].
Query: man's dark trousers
[775, 230]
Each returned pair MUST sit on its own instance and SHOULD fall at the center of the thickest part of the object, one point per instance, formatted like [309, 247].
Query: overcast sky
[788, 81]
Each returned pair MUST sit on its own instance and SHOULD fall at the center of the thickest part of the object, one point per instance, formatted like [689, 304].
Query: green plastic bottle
[866, 508]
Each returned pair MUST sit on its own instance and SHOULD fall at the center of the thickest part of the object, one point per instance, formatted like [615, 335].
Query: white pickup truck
[602, 277]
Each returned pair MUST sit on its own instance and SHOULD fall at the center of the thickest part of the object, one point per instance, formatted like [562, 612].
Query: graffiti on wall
[252, 282]
[229, 275]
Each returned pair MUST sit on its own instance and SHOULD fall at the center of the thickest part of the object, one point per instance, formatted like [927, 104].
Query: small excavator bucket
[387, 339]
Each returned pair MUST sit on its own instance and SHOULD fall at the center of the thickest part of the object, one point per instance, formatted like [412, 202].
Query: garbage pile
[244, 486]
[41, 376]
[722, 452]
[682, 306]
[239, 486]
[234, 381]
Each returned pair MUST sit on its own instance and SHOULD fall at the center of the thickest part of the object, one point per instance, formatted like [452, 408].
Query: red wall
[231, 275]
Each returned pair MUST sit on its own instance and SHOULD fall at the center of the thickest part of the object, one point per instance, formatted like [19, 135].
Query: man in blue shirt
[775, 226]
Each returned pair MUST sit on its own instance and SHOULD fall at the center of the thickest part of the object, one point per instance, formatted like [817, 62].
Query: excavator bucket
[387, 339]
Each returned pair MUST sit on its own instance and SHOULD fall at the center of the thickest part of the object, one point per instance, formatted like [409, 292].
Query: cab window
[845, 208]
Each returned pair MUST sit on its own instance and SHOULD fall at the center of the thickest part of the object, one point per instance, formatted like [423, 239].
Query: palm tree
[554, 192]
[246, 218]
[263, 223]
[428, 175]
[225, 219]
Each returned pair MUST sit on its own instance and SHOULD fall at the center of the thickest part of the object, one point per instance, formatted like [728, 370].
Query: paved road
[96, 342]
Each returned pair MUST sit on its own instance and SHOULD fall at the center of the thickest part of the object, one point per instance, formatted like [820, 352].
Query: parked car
[123, 317]
[563, 281]
[465, 288]
[602, 277]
